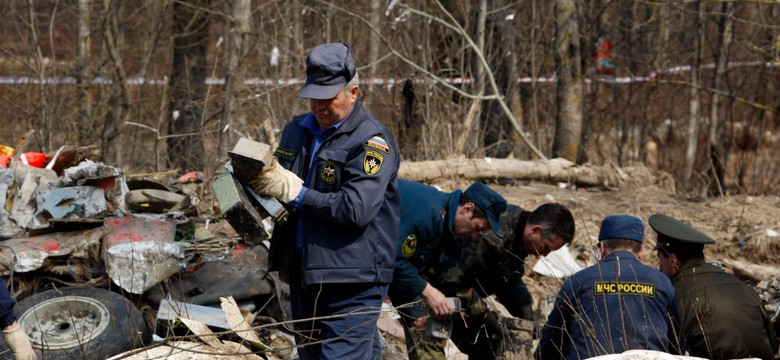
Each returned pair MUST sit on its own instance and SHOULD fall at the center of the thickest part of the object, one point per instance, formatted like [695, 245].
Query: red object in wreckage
[604, 61]
[34, 159]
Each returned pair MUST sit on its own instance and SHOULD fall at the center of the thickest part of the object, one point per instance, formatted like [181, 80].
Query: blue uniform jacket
[616, 305]
[426, 224]
[7, 316]
[351, 209]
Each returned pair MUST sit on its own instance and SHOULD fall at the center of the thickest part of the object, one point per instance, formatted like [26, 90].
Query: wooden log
[551, 171]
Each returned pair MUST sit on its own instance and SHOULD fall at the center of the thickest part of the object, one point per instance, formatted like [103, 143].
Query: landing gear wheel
[75, 323]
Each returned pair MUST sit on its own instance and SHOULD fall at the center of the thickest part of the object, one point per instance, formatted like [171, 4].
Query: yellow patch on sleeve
[372, 162]
[409, 245]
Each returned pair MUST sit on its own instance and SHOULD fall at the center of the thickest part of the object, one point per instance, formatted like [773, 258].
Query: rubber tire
[123, 332]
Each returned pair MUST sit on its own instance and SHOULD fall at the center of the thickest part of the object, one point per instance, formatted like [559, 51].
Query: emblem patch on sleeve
[379, 143]
[328, 172]
[409, 245]
[372, 162]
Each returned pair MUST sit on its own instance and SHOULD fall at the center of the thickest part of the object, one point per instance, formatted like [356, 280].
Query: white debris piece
[558, 264]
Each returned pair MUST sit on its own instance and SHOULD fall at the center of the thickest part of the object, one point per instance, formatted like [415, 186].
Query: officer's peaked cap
[674, 234]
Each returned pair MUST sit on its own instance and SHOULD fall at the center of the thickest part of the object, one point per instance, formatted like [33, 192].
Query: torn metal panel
[229, 317]
[170, 310]
[23, 209]
[8, 227]
[140, 253]
[69, 202]
[110, 179]
[153, 200]
[241, 275]
[33, 252]
[6, 181]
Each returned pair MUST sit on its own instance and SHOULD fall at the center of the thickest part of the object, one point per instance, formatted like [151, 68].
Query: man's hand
[419, 323]
[277, 182]
[437, 302]
[18, 342]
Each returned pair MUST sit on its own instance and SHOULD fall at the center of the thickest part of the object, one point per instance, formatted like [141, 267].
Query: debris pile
[69, 221]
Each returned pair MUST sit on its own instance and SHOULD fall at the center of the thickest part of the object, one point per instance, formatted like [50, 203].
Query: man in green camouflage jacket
[495, 265]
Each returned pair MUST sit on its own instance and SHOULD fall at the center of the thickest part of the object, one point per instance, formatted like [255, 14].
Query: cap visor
[321, 92]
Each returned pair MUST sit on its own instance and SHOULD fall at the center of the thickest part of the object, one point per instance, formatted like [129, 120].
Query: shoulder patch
[372, 162]
[379, 143]
[285, 153]
[409, 245]
[624, 288]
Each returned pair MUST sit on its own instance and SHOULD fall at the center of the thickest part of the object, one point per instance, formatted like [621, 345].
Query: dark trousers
[343, 318]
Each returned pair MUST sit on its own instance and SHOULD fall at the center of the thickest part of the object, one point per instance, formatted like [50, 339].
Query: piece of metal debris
[140, 253]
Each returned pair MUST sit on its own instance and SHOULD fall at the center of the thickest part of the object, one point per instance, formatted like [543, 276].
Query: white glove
[277, 182]
[18, 342]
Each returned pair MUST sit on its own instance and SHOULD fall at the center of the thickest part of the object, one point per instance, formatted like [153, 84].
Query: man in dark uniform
[432, 224]
[722, 317]
[495, 265]
[616, 305]
[337, 169]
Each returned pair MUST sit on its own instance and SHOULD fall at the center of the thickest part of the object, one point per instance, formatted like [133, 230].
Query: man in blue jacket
[13, 335]
[337, 169]
[616, 305]
[432, 224]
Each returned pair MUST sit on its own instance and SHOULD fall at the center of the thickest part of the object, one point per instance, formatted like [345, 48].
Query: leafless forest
[171, 84]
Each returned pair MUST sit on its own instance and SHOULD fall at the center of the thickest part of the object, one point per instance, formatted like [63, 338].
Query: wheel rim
[65, 322]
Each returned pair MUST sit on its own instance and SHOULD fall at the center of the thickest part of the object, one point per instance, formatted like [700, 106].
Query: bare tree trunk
[118, 109]
[717, 151]
[375, 18]
[653, 158]
[479, 80]
[497, 131]
[85, 122]
[237, 48]
[296, 45]
[188, 89]
[568, 122]
[694, 107]
[373, 40]
[43, 125]
[625, 122]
